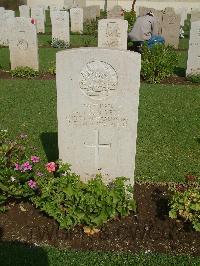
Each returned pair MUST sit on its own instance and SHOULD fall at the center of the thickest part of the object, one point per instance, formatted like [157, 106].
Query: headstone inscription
[193, 62]
[23, 44]
[97, 109]
[112, 33]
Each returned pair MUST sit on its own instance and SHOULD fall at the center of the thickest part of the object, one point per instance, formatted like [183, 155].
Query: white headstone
[76, 16]
[23, 43]
[79, 3]
[53, 9]
[24, 11]
[97, 109]
[171, 28]
[60, 26]
[38, 14]
[116, 12]
[1, 10]
[4, 30]
[193, 63]
[112, 33]
[68, 4]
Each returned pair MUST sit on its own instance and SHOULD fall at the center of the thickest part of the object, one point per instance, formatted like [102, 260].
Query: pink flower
[26, 166]
[51, 167]
[35, 159]
[32, 184]
[17, 167]
[39, 174]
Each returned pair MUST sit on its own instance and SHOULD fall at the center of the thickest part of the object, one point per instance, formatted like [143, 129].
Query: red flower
[191, 178]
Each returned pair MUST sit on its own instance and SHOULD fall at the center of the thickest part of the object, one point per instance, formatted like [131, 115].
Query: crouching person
[145, 29]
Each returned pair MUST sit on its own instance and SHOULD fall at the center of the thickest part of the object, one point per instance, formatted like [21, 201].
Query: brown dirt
[150, 230]
[42, 76]
[175, 80]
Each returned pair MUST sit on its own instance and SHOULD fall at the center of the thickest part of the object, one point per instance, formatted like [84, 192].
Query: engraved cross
[97, 147]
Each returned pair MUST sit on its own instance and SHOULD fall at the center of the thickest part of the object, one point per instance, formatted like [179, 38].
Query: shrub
[185, 202]
[158, 62]
[71, 202]
[56, 43]
[18, 171]
[24, 72]
[52, 68]
[91, 28]
[130, 16]
[195, 78]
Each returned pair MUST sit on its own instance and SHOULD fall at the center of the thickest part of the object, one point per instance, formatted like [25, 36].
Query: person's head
[150, 13]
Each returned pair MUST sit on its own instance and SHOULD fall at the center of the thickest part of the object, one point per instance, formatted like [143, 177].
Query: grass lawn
[168, 131]
[19, 255]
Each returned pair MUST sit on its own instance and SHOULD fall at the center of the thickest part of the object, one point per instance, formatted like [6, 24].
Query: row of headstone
[168, 24]
[193, 63]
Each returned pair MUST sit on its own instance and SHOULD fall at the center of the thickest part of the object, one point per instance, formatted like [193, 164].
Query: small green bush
[24, 72]
[195, 78]
[52, 68]
[130, 17]
[72, 202]
[56, 43]
[185, 202]
[91, 28]
[158, 62]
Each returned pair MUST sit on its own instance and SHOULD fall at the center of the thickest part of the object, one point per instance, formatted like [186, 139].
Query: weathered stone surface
[171, 29]
[24, 11]
[112, 33]
[23, 43]
[116, 12]
[68, 4]
[60, 26]
[193, 63]
[38, 14]
[89, 13]
[97, 109]
[76, 16]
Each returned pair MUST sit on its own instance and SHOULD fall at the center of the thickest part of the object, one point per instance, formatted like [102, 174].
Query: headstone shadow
[17, 253]
[50, 145]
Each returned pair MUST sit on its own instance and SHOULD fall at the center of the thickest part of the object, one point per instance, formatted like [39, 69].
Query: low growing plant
[130, 16]
[17, 169]
[91, 28]
[158, 62]
[185, 201]
[72, 202]
[52, 68]
[56, 43]
[24, 72]
[195, 78]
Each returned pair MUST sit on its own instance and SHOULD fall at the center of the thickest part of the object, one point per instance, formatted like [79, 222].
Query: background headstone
[60, 26]
[23, 43]
[97, 109]
[116, 12]
[193, 63]
[171, 29]
[24, 11]
[112, 33]
[4, 30]
[76, 17]
[38, 14]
